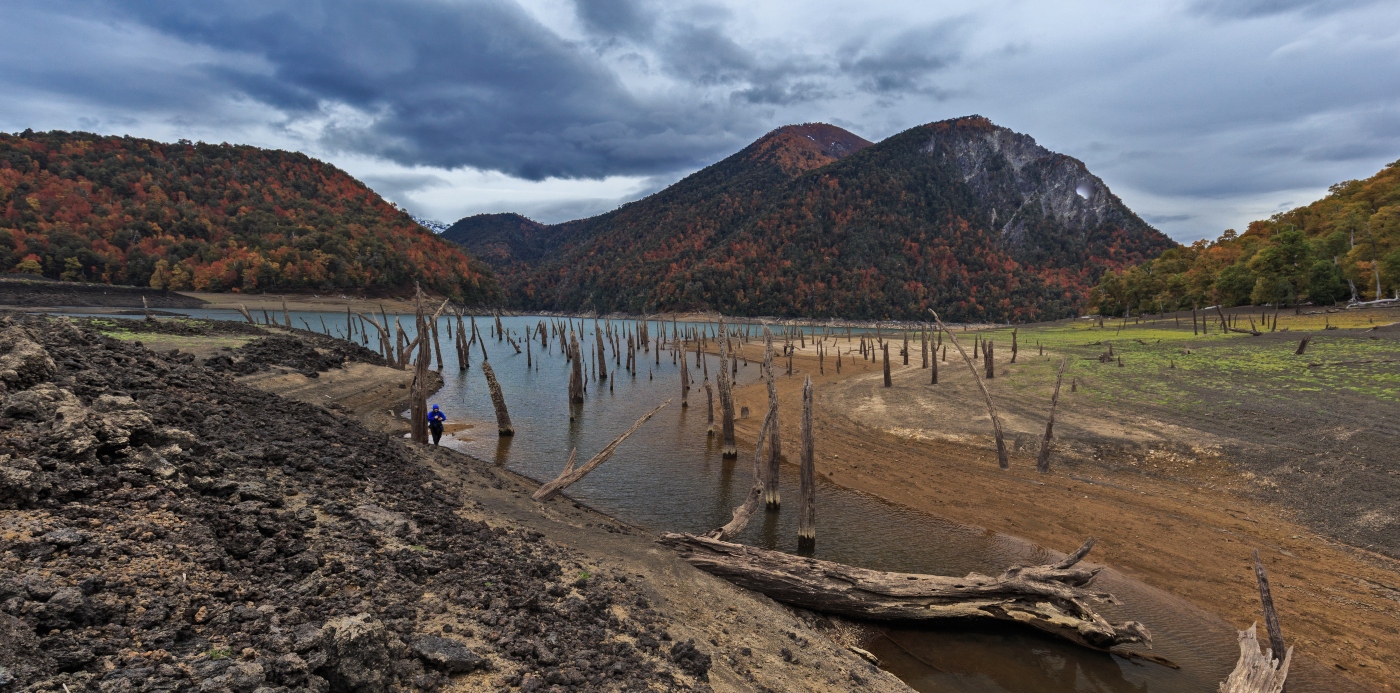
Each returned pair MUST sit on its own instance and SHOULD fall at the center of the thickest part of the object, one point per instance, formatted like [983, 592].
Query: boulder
[360, 653]
[447, 655]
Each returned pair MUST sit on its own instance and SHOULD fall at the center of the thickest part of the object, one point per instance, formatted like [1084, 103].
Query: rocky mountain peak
[800, 148]
[1023, 183]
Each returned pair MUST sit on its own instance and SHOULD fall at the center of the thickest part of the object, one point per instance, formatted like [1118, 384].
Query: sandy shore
[1176, 522]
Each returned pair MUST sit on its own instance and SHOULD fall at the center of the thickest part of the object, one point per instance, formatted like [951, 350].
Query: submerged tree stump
[807, 498]
[498, 400]
[1052, 598]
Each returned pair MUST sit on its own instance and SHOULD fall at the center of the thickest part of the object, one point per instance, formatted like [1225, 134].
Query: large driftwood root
[1052, 598]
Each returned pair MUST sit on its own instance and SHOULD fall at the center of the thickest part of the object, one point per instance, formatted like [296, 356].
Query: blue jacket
[436, 417]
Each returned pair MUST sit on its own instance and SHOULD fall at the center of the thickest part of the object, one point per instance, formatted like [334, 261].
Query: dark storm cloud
[616, 17]
[478, 83]
[1242, 9]
[906, 62]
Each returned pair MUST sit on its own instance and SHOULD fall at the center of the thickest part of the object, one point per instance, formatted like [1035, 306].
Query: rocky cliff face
[1025, 185]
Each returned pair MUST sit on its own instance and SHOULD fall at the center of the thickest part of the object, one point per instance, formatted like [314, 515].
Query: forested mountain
[962, 216]
[1344, 246]
[208, 217]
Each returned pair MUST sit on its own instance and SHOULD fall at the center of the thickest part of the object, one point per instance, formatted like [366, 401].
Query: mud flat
[165, 525]
[1185, 460]
[35, 293]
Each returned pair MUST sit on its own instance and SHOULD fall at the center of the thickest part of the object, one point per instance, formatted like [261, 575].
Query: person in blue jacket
[435, 421]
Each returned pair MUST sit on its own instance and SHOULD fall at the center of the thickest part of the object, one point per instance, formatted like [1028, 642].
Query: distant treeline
[1344, 246]
[207, 217]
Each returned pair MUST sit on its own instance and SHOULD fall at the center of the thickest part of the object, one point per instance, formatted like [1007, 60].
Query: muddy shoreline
[166, 527]
[1187, 525]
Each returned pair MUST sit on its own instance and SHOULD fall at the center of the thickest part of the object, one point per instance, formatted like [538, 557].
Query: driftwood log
[570, 475]
[1052, 598]
[1256, 671]
[1260, 671]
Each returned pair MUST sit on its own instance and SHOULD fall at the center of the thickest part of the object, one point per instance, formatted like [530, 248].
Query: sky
[1201, 115]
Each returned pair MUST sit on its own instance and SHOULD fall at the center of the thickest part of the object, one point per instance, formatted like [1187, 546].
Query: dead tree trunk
[1259, 671]
[772, 499]
[437, 346]
[1013, 346]
[1053, 598]
[418, 391]
[498, 400]
[602, 355]
[570, 476]
[685, 384]
[1042, 463]
[725, 379]
[885, 351]
[246, 316]
[709, 408]
[575, 372]
[746, 510]
[1002, 459]
[286, 316]
[988, 354]
[1302, 346]
[807, 510]
[905, 353]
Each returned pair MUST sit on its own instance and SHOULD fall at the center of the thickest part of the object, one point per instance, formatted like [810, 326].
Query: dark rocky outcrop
[165, 528]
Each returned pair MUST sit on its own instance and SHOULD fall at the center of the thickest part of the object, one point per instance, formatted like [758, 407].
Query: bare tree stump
[1051, 598]
[728, 448]
[709, 408]
[1303, 346]
[885, 350]
[498, 401]
[575, 372]
[772, 499]
[807, 509]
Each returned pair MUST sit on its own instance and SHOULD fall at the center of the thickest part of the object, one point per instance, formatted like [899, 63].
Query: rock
[65, 609]
[387, 521]
[20, 654]
[530, 683]
[38, 588]
[63, 537]
[289, 670]
[245, 677]
[358, 654]
[691, 660]
[23, 363]
[6, 678]
[447, 655]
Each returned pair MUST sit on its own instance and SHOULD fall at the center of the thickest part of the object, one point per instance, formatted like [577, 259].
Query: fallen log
[1052, 598]
[570, 476]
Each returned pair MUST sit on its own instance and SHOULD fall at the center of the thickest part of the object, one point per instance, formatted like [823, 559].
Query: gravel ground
[163, 528]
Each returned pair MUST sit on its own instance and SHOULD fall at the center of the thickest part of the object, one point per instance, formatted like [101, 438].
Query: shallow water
[669, 476]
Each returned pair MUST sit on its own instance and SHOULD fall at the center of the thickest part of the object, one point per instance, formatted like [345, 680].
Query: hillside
[1344, 246]
[121, 210]
[963, 216]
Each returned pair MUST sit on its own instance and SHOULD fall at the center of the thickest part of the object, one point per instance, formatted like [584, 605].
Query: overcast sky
[1200, 114]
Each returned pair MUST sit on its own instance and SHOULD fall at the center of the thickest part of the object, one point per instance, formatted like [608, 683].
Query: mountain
[121, 210]
[430, 224]
[1344, 246]
[963, 216]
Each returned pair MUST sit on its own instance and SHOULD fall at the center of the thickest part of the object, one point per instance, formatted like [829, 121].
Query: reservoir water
[669, 476]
